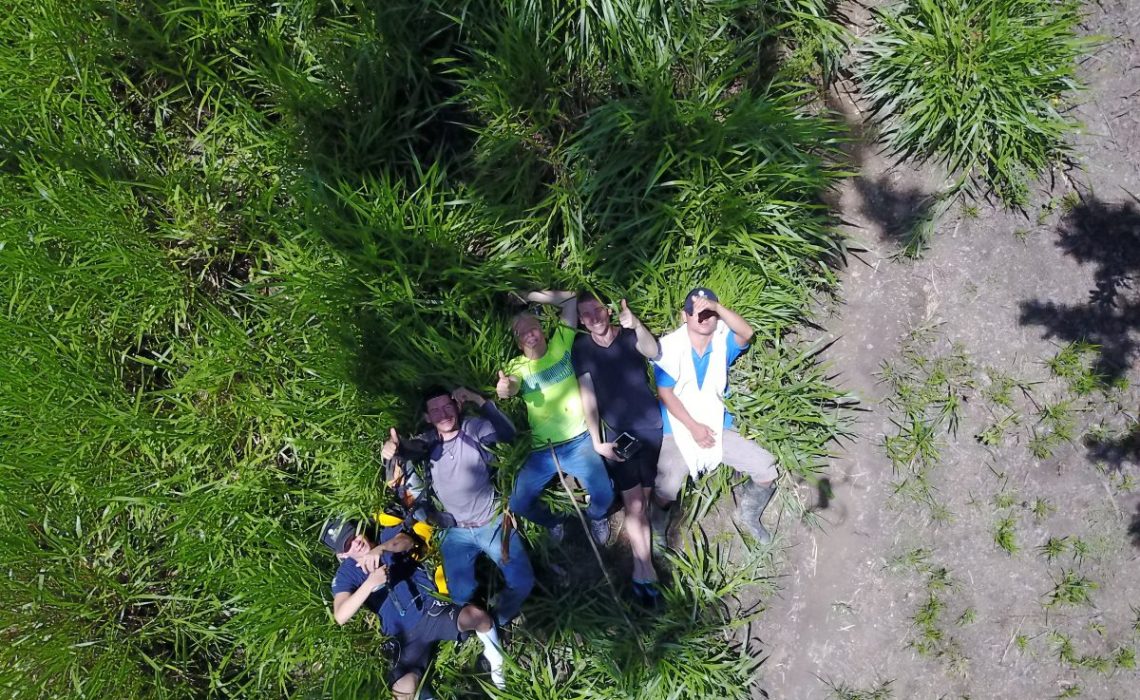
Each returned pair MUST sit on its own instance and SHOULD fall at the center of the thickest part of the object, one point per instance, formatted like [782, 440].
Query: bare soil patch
[1008, 567]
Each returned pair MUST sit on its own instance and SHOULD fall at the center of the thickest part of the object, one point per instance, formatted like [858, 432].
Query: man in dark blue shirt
[385, 578]
[610, 362]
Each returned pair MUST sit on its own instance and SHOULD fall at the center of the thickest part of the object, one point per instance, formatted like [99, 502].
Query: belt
[472, 524]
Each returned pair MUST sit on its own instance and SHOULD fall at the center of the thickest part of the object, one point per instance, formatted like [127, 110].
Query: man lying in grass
[610, 362]
[545, 374]
[383, 576]
[692, 378]
[456, 466]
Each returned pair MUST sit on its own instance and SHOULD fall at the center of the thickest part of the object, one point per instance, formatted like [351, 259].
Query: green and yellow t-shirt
[550, 389]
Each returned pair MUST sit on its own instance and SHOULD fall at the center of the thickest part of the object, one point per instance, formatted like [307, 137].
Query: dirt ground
[910, 594]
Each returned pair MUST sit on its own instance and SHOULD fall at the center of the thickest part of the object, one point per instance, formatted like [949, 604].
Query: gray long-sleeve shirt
[460, 467]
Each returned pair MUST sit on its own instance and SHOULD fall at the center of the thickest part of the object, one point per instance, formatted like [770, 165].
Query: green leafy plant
[978, 85]
[247, 234]
[1005, 535]
[880, 690]
[1072, 589]
[1053, 547]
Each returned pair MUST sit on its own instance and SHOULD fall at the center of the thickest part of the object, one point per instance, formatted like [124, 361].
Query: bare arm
[736, 324]
[593, 423]
[346, 604]
[567, 300]
[647, 344]
[702, 433]
[401, 542]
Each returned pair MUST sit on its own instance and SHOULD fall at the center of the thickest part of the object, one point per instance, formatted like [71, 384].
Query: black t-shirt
[621, 380]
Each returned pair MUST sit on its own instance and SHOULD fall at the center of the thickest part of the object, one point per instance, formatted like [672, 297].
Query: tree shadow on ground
[1113, 451]
[898, 209]
[1107, 235]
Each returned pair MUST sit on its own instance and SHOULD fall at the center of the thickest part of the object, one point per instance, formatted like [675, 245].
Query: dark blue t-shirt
[399, 603]
[621, 380]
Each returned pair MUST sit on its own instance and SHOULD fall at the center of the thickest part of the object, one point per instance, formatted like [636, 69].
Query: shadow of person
[1134, 528]
[1107, 235]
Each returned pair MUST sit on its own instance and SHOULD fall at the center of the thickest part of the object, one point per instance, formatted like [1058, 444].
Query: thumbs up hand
[388, 451]
[626, 317]
[505, 388]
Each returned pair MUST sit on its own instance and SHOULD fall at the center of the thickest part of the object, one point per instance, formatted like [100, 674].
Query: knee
[634, 502]
[666, 489]
[474, 618]
[405, 686]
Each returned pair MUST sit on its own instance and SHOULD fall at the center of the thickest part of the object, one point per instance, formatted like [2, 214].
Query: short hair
[433, 392]
[587, 295]
[522, 315]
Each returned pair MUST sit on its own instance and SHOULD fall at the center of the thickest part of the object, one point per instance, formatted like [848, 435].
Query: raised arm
[736, 324]
[647, 343]
[401, 542]
[503, 430]
[567, 300]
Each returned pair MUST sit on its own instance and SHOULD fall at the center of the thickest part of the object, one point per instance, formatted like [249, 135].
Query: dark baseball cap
[699, 292]
[336, 533]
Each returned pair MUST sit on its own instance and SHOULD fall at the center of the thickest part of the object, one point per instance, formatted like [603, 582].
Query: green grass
[1072, 589]
[1005, 535]
[880, 690]
[237, 238]
[929, 390]
[978, 85]
[1053, 548]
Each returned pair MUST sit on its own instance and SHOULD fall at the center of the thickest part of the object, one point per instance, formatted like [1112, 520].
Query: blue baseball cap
[336, 533]
[704, 292]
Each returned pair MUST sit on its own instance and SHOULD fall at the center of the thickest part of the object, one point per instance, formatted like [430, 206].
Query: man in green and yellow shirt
[545, 377]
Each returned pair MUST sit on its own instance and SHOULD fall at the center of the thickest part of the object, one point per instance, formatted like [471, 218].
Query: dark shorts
[641, 468]
[413, 649]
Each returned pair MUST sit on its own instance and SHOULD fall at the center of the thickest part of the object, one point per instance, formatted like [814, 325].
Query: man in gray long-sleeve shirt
[458, 473]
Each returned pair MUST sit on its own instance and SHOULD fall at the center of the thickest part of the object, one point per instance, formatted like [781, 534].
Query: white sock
[492, 651]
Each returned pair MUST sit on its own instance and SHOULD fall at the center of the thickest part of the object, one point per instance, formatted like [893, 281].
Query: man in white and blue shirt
[692, 379]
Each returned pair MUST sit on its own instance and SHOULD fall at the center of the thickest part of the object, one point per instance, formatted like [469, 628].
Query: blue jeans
[578, 460]
[460, 547]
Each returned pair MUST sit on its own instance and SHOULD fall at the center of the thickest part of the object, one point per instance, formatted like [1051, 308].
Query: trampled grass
[234, 240]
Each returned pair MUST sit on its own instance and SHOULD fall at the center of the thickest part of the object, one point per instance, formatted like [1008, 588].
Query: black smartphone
[626, 445]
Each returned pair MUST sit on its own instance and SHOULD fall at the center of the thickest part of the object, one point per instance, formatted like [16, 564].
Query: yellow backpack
[424, 532]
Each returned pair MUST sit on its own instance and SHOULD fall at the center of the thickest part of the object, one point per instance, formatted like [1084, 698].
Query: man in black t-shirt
[614, 382]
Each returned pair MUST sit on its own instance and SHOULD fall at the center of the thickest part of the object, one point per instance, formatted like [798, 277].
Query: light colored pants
[744, 456]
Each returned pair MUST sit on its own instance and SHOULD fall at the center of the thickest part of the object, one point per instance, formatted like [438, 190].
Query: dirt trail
[1004, 292]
